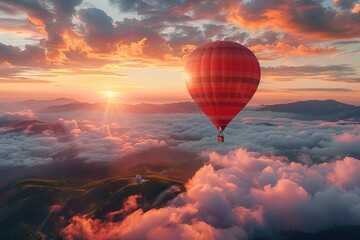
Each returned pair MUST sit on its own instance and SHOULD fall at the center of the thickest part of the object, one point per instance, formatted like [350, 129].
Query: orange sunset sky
[135, 50]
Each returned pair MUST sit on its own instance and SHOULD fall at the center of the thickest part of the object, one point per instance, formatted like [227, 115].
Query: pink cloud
[347, 137]
[17, 116]
[130, 204]
[240, 192]
[55, 208]
[345, 173]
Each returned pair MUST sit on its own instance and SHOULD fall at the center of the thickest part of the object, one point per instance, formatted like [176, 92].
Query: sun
[111, 96]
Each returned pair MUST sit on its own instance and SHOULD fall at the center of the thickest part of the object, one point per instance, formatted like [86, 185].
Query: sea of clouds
[91, 138]
[273, 173]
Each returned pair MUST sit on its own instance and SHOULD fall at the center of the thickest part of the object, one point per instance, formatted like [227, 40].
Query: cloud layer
[31, 143]
[92, 138]
[238, 193]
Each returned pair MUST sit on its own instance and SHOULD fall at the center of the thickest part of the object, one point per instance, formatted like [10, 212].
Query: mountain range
[180, 107]
[329, 110]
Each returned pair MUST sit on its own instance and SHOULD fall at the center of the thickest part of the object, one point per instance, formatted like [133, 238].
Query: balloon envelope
[222, 77]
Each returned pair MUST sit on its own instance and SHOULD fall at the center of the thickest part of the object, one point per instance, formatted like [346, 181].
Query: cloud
[347, 42]
[18, 26]
[280, 49]
[33, 56]
[344, 4]
[33, 143]
[99, 27]
[163, 33]
[333, 73]
[274, 134]
[90, 73]
[130, 204]
[174, 11]
[346, 138]
[356, 9]
[345, 173]
[11, 74]
[129, 37]
[317, 90]
[127, 5]
[36, 9]
[23, 80]
[308, 168]
[52, 18]
[275, 196]
[310, 18]
[17, 116]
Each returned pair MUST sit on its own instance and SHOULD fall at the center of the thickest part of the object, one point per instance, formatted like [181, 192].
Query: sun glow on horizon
[111, 96]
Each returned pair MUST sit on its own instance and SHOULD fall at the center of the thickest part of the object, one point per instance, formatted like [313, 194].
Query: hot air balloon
[222, 77]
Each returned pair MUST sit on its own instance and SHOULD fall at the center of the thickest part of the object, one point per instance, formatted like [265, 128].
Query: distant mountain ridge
[40, 104]
[318, 109]
[310, 109]
[180, 107]
[52, 101]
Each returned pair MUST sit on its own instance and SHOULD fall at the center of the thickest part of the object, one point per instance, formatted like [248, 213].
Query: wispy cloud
[334, 73]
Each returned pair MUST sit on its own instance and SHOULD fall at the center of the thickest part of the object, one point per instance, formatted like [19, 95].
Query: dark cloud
[61, 24]
[157, 8]
[268, 37]
[345, 4]
[213, 30]
[34, 8]
[99, 32]
[96, 20]
[31, 56]
[183, 35]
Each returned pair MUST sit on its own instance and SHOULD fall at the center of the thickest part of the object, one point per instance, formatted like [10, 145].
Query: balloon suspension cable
[220, 136]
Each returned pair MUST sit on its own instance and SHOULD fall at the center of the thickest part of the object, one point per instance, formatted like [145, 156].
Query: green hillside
[25, 204]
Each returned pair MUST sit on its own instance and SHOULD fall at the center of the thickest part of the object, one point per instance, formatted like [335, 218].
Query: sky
[136, 49]
[276, 171]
